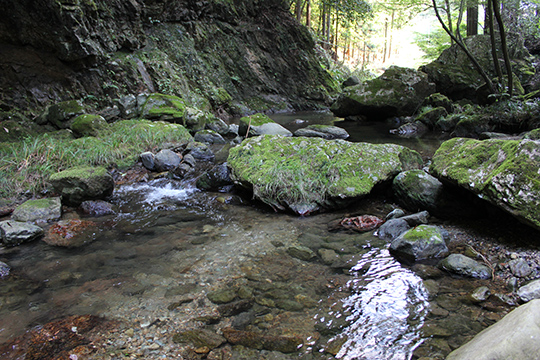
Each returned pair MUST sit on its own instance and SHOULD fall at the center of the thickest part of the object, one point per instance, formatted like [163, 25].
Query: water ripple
[388, 306]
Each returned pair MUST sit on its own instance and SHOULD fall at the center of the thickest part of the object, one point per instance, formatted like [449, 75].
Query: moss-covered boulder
[82, 183]
[88, 125]
[503, 172]
[306, 174]
[423, 242]
[48, 209]
[399, 91]
[164, 107]
[260, 124]
[61, 114]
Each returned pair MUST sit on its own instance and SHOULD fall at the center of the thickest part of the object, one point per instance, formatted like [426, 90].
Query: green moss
[504, 172]
[313, 172]
[83, 172]
[164, 107]
[88, 125]
[256, 120]
[39, 203]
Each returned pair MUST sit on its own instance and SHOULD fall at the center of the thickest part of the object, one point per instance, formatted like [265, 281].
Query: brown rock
[281, 343]
[71, 233]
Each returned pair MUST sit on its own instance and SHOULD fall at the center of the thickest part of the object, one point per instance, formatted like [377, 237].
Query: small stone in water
[480, 294]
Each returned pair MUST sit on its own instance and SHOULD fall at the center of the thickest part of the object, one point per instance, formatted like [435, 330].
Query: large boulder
[456, 77]
[306, 174]
[88, 125]
[503, 172]
[82, 183]
[515, 336]
[399, 91]
[48, 209]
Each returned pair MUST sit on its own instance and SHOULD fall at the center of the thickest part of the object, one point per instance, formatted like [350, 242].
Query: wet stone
[520, 268]
[301, 252]
[199, 338]
[289, 305]
[465, 266]
[4, 269]
[234, 308]
[391, 229]
[530, 291]
[281, 343]
[222, 296]
[328, 256]
[15, 232]
[480, 294]
[97, 208]
[71, 233]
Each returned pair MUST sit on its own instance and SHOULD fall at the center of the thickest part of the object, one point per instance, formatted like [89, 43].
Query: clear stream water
[170, 242]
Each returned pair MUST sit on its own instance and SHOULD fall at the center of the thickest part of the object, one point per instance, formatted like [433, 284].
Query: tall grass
[26, 165]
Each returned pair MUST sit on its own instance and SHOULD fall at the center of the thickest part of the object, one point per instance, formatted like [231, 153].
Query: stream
[152, 264]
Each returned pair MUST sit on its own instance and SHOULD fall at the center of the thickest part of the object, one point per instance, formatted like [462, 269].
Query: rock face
[306, 174]
[219, 54]
[82, 183]
[513, 337]
[504, 172]
[48, 209]
[399, 91]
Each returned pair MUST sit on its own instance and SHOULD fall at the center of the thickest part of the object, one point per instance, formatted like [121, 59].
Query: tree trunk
[494, 55]
[497, 13]
[449, 16]
[308, 13]
[472, 18]
[299, 5]
[385, 39]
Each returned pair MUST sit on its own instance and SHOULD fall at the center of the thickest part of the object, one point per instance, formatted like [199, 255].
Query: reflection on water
[387, 308]
[377, 132]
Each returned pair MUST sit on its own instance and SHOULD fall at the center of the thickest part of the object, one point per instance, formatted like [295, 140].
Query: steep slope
[231, 56]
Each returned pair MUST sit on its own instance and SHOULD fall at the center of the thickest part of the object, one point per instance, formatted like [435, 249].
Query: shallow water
[172, 244]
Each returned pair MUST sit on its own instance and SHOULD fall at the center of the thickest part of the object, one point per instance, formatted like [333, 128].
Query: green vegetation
[26, 165]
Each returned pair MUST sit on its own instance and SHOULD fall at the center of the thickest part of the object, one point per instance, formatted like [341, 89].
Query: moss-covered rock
[305, 174]
[88, 125]
[503, 172]
[82, 183]
[47, 209]
[164, 107]
[420, 243]
[399, 91]
[61, 114]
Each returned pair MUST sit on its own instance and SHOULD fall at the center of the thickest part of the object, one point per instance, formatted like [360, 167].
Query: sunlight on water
[388, 307]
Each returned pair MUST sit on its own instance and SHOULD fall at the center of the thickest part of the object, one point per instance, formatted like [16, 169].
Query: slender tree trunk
[385, 39]
[472, 18]
[492, 33]
[299, 5]
[460, 18]
[391, 33]
[449, 16]
[308, 13]
[477, 66]
[497, 13]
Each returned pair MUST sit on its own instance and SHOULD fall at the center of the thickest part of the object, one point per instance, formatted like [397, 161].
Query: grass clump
[26, 165]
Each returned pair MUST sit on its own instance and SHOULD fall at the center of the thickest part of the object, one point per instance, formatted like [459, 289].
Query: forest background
[369, 36]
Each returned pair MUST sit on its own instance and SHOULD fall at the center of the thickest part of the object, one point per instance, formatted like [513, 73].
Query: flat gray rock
[15, 232]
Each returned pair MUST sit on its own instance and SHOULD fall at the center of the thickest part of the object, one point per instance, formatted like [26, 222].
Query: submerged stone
[306, 174]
